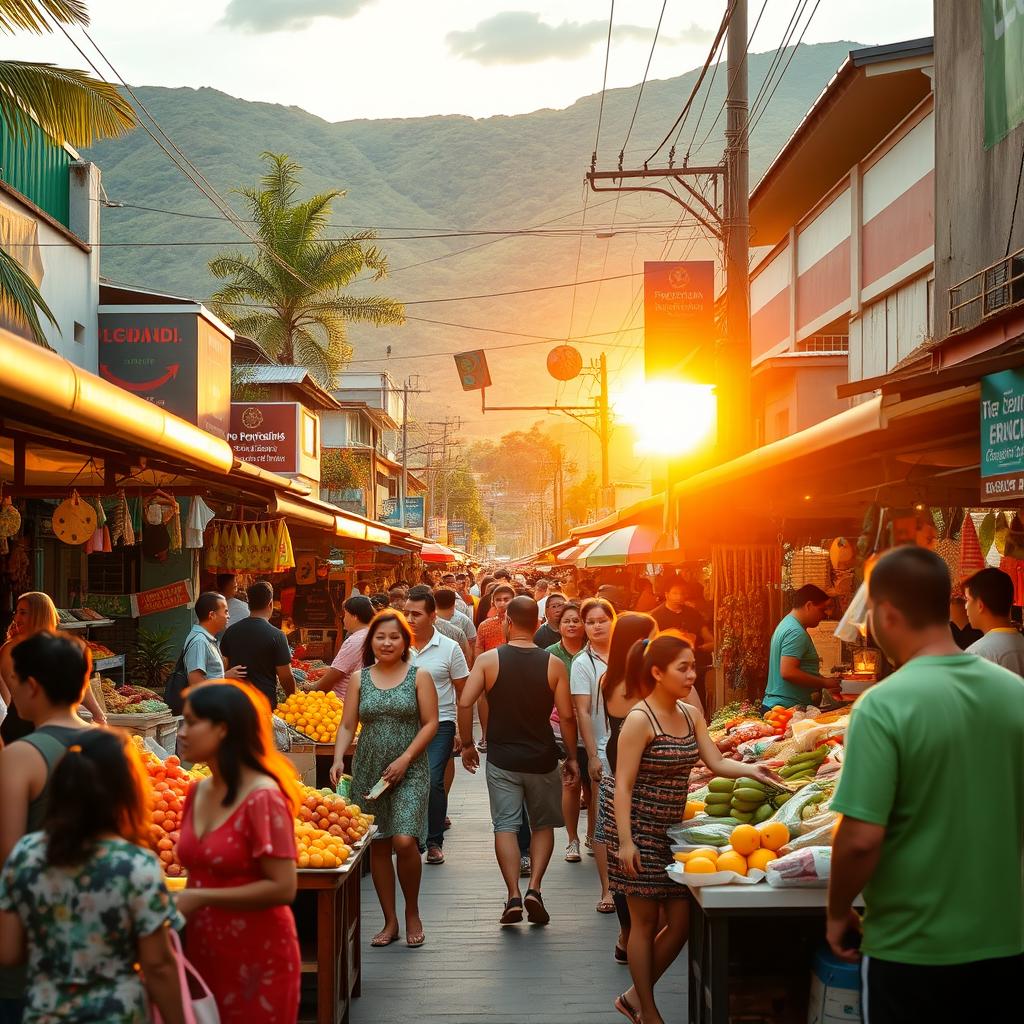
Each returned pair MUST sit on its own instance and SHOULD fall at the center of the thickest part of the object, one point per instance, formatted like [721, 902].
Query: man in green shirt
[932, 798]
[793, 663]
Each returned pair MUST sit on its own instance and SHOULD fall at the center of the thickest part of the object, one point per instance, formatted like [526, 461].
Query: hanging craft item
[74, 522]
[811, 565]
[10, 523]
[263, 547]
[284, 558]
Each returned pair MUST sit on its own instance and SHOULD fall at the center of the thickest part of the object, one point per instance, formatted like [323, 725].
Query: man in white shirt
[447, 611]
[540, 595]
[237, 610]
[357, 613]
[989, 597]
[444, 660]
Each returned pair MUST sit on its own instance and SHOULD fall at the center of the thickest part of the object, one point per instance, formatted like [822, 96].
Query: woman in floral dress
[397, 706]
[238, 847]
[86, 902]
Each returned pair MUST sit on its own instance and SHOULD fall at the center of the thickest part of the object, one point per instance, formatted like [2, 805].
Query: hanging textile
[264, 547]
[199, 517]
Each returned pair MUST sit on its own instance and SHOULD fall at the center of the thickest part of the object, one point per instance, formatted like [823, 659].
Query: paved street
[471, 971]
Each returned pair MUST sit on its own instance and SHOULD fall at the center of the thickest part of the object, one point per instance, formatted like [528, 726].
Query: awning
[570, 555]
[40, 387]
[650, 510]
[319, 514]
[433, 552]
[630, 545]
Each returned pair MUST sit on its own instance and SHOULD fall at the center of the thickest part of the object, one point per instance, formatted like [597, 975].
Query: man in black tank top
[521, 683]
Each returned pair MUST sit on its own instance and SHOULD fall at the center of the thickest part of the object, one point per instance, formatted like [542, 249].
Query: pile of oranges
[314, 714]
[327, 827]
[750, 849]
[169, 784]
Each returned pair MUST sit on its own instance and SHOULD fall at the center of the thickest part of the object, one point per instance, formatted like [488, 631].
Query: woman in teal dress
[397, 707]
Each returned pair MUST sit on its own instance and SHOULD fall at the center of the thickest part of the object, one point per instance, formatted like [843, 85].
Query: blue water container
[835, 990]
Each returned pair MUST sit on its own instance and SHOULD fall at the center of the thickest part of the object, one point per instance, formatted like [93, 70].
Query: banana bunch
[746, 800]
[801, 767]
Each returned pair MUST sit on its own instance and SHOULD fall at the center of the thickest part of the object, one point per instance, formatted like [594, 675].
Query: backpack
[177, 683]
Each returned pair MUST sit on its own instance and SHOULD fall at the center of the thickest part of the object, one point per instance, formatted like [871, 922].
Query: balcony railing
[987, 292]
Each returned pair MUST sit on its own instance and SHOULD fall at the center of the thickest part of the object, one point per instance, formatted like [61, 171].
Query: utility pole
[410, 387]
[605, 432]
[734, 356]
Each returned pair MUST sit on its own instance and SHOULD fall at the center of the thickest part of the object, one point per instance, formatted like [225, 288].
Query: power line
[640, 93]
[604, 80]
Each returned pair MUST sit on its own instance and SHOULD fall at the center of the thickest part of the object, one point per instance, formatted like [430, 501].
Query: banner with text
[163, 599]
[1002, 40]
[266, 434]
[1002, 436]
[679, 320]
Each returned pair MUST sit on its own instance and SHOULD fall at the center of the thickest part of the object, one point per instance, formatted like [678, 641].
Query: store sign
[473, 372]
[163, 599]
[178, 361]
[679, 320]
[1002, 436]
[1002, 40]
[266, 434]
[413, 513]
[458, 533]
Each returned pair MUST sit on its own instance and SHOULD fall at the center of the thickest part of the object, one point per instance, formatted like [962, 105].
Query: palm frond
[281, 180]
[20, 299]
[71, 106]
[371, 309]
[30, 15]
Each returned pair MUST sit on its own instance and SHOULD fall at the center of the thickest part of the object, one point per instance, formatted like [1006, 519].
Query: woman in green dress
[396, 704]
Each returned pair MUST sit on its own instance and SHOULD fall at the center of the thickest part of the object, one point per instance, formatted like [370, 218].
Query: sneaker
[525, 867]
[572, 852]
[435, 855]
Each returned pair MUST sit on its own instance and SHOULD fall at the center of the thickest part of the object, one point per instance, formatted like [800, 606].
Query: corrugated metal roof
[256, 374]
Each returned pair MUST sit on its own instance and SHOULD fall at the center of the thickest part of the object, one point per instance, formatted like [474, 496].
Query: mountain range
[449, 175]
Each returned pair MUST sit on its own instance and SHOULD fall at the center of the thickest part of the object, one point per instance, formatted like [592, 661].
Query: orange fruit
[745, 839]
[679, 856]
[705, 851]
[700, 866]
[774, 835]
[732, 861]
[760, 859]
[303, 860]
[316, 860]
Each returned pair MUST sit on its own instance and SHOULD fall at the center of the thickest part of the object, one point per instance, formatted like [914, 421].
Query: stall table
[333, 955]
[323, 758]
[715, 909]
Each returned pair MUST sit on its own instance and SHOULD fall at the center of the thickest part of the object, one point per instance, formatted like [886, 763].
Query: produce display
[804, 766]
[307, 672]
[99, 651]
[327, 826]
[751, 849]
[316, 715]
[131, 700]
[779, 717]
[745, 800]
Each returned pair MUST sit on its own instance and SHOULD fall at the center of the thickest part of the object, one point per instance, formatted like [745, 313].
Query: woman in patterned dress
[86, 901]
[659, 743]
[238, 846]
[397, 706]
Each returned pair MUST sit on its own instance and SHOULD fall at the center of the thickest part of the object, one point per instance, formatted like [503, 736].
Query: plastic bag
[853, 625]
[790, 812]
[805, 869]
[756, 750]
[703, 831]
[820, 836]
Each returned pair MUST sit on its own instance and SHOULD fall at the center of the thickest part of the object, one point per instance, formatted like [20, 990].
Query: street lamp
[669, 417]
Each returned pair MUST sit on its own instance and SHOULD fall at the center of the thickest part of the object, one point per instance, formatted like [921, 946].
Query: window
[79, 333]
[310, 440]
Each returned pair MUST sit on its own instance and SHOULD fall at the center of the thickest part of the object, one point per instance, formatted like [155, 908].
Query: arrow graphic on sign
[140, 386]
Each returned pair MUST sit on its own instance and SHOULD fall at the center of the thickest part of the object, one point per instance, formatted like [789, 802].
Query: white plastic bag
[805, 869]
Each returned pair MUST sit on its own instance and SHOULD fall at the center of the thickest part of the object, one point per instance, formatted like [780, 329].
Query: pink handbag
[197, 999]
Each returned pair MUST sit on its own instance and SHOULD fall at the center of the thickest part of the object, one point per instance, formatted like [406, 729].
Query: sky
[349, 59]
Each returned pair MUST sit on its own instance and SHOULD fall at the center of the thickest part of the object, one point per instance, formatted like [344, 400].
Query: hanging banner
[1002, 436]
[1002, 41]
[679, 320]
[473, 372]
[163, 599]
[413, 513]
[266, 434]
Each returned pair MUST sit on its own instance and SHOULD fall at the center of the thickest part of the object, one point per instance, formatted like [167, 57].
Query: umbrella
[437, 553]
[629, 545]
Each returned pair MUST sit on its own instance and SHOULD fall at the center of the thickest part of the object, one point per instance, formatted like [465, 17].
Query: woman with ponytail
[238, 846]
[84, 901]
[660, 741]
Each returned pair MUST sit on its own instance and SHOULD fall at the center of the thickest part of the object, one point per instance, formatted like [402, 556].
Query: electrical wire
[647, 70]
[604, 80]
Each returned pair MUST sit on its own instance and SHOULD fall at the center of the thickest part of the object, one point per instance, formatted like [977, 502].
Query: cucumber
[746, 783]
[718, 810]
[746, 806]
[721, 785]
[718, 798]
[763, 813]
[744, 816]
[748, 794]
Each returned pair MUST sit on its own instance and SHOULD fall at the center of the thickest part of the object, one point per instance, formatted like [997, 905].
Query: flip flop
[606, 907]
[536, 912]
[513, 912]
[382, 939]
[626, 1010]
[620, 956]
[415, 940]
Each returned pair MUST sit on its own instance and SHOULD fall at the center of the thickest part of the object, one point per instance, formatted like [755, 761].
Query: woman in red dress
[238, 846]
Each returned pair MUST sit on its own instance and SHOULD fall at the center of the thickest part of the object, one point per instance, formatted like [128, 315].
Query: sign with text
[679, 320]
[1002, 436]
[163, 599]
[178, 361]
[473, 372]
[1002, 41]
[266, 434]
[413, 513]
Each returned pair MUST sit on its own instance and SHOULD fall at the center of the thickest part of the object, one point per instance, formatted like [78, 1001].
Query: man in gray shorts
[521, 682]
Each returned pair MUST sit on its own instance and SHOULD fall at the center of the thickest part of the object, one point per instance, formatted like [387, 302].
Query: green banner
[1002, 35]
[1002, 436]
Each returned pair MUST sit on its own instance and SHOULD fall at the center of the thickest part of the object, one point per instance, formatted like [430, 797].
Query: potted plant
[152, 659]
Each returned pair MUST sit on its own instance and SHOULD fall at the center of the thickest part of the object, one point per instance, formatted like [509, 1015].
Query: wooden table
[713, 910]
[323, 754]
[331, 949]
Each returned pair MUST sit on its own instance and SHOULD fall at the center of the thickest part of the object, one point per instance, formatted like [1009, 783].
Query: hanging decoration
[263, 547]
[10, 522]
[74, 521]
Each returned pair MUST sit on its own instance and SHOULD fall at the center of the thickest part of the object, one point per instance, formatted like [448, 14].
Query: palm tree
[68, 105]
[287, 295]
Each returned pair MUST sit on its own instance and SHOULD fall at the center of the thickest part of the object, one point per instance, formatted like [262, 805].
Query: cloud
[286, 15]
[520, 37]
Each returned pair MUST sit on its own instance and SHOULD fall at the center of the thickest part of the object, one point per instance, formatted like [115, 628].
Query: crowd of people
[588, 702]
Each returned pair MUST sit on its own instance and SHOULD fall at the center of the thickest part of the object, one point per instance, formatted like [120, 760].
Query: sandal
[415, 939]
[620, 955]
[513, 912]
[383, 938]
[606, 906]
[626, 1010]
[536, 912]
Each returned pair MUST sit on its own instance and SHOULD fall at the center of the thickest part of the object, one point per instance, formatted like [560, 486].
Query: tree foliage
[288, 293]
[465, 502]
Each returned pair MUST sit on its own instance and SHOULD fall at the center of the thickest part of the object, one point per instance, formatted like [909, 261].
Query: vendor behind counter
[793, 663]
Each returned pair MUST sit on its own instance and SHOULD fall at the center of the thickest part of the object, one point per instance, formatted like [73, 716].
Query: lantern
[564, 362]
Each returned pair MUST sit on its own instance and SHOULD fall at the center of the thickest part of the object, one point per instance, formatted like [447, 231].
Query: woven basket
[811, 565]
